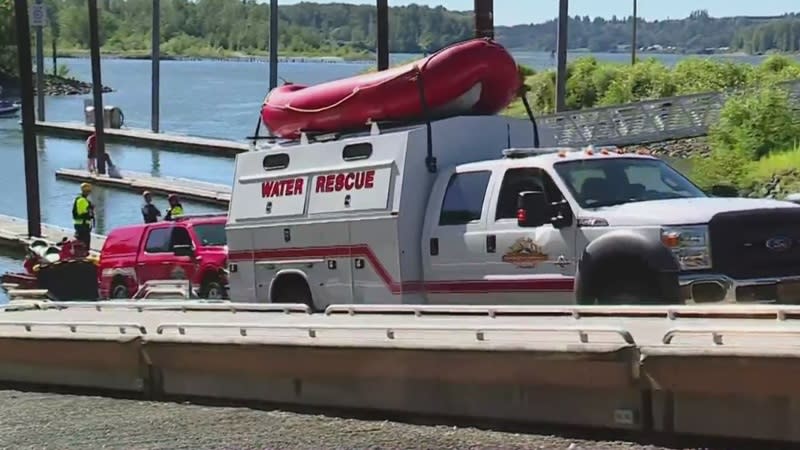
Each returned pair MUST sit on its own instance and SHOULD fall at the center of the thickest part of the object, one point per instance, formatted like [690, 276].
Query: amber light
[671, 239]
[522, 216]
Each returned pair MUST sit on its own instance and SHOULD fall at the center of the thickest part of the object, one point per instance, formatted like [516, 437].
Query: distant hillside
[209, 28]
[698, 33]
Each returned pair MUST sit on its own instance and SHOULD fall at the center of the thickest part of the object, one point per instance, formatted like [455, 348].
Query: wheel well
[210, 275]
[118, 278]
[613, 271]
[286, 282]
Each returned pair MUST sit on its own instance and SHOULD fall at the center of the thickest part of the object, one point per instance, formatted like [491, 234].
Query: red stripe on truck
[440, 287]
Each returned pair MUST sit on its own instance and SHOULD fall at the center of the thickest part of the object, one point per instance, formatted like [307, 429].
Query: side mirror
[724, 190]
[183, 250]
[533, 210]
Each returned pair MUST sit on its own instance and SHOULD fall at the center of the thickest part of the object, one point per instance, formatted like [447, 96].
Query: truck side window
[180, 236]
[521, 180]
[158, 240]
[463, 200]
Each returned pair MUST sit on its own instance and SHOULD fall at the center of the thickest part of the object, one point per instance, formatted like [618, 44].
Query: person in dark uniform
[150, 212]
[83, 216]
[175, 208]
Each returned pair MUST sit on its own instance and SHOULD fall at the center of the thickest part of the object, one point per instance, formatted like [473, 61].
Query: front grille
[745, 244]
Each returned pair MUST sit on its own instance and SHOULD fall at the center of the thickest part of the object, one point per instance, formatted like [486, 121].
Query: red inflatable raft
[474, 77]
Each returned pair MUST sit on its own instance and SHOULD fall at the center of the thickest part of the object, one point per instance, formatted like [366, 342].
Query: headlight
[689, 245]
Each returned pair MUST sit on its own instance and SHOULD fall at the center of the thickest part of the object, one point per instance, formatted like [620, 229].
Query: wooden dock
[144, 138]
[138, 182]
[14, 234]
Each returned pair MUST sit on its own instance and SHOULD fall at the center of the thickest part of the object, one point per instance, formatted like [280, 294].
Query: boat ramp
[215, 194]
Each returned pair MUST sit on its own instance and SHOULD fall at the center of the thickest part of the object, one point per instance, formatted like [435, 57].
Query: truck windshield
[211, 234]
[615, 181]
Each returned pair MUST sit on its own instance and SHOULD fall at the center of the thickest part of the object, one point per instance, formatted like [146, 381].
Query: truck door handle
[491, 243]
[434, 246]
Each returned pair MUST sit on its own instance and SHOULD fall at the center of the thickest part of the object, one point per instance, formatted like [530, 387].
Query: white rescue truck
[468, 212]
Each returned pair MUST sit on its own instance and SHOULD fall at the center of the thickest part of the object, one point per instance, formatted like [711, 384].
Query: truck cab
[191, 247]
[468, 211]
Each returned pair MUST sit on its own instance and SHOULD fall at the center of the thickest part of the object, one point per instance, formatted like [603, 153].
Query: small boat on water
[478, 76]
[9, 109]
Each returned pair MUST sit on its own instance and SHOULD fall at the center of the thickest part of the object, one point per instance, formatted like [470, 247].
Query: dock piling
[484, 19]
[561, 73]
[28, 119]
[97, 86]
[383, 34]
[40, 63]
[273, 44]
[155, 55]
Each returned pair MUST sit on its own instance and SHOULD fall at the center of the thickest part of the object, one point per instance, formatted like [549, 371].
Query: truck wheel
[119, 290]
[212, 289]
[293, 289]
[634, 287]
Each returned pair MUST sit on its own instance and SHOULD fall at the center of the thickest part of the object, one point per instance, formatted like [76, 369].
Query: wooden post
[484, 19]
[561, 73]
[635, 20]
[40, 62]
[28, 119]
[155, 55]
[97, 86]
[273, 44]
[383, 34]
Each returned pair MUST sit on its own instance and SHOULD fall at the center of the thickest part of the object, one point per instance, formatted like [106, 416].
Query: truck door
[181, 267]
[155, 255]
[528, 265]
[454, 243]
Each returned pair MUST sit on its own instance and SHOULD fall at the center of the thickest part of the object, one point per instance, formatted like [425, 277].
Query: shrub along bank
[591, 83]
[755, 146]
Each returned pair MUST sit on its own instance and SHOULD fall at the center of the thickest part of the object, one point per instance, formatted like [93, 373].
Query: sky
[513, 12]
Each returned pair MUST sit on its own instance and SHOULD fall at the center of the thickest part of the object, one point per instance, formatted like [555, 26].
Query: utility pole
[97, 86]
[383, 34]
[28, 119]
[273, 44]
[635, 20]
[155, 55]
[484, 19]
[40, 16]
[561, 49]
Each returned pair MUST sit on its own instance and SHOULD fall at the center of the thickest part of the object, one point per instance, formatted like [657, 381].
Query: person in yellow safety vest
[175, 208]
[83, 216]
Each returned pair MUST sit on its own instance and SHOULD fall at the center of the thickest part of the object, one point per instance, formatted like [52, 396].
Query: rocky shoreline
[53, 86]
[678, 149]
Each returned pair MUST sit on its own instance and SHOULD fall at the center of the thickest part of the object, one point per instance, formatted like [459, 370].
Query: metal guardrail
[717, 334]
[391, 331]
[73, 326]
[184, 306]
[644, 122]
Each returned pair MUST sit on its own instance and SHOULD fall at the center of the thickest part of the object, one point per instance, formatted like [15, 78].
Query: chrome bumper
[758, 290]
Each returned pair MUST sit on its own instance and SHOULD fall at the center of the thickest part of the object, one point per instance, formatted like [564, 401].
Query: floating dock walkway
[138, 182]
[144, 138]
[716, 371]
[14, 234]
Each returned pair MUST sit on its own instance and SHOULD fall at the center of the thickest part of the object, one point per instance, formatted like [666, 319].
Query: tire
[293, 289]
[632, 287]
[212, 289]
[119, 290]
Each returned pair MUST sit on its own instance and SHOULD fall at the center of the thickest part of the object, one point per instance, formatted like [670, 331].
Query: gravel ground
[44, 420]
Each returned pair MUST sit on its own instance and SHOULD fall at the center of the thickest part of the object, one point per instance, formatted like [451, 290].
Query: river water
[201, 98]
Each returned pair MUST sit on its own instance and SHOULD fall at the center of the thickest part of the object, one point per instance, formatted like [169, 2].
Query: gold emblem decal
[524, 253]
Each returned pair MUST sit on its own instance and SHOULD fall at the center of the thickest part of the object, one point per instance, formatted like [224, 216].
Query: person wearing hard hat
[83, 216]
[175, 208]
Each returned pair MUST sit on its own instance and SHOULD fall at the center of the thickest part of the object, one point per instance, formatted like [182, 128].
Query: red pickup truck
[192, 247]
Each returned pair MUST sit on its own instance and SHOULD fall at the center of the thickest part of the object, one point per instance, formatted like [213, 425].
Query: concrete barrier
[591, 387]
[734, 393]
[111, 363]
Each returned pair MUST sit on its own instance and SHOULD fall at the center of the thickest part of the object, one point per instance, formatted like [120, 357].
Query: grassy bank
[591, 83]
[179, 52]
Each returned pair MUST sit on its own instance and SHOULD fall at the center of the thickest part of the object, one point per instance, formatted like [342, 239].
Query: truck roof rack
[529, 152]
[198, 216]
